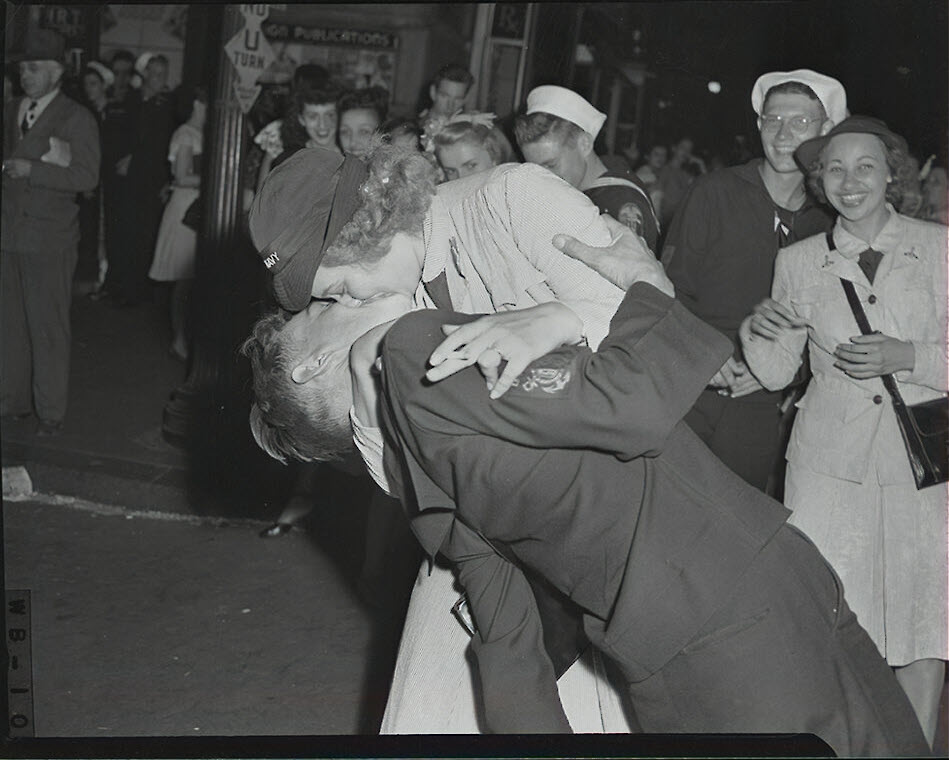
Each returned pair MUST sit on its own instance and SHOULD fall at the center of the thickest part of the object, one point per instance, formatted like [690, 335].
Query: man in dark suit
[50, 153]
[720, 616]
[148, 172]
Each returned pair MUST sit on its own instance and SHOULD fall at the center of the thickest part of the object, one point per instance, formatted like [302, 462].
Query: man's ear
[307, 369]
[826, 126]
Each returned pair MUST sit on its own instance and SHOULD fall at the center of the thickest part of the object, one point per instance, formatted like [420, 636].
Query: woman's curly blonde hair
[395, 198]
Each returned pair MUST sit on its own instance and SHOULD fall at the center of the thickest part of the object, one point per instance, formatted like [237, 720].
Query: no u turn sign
[250, 53]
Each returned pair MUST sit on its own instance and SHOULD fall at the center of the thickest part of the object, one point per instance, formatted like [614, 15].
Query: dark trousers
[118, 227]
[87, 265]
[784, 654]
[36, 290]
[742, 432]
[133, 215]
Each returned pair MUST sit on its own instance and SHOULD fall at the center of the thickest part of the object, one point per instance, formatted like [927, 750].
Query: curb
[16, 482]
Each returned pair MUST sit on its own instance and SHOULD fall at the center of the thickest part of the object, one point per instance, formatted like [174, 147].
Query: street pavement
[156, 609]
[150, 623]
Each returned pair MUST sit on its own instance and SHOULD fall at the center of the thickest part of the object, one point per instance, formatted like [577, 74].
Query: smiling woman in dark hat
[900, 170]
[849, 480]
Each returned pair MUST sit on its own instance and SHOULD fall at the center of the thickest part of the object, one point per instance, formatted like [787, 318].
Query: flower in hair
[481, 118]
[434, 126]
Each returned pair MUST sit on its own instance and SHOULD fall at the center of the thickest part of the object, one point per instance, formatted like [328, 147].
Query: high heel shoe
[176, 354]
[275, 530]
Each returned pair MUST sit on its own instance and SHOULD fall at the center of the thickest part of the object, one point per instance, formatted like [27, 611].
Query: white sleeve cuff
[368, 441]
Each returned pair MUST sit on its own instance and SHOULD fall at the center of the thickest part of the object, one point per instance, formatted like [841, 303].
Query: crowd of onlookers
[756, 250]
[136, 239]
[745, 245]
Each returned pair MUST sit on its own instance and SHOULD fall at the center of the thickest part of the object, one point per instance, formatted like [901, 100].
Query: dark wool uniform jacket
[40, 211]
[720, 249]
[584, 473]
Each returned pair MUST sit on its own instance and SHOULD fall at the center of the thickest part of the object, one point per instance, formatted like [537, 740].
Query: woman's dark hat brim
[808, 151]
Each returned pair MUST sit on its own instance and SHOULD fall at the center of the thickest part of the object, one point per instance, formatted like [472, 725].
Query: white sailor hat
[829, 91]
[104, 72]
[559, 101]
[142, 62]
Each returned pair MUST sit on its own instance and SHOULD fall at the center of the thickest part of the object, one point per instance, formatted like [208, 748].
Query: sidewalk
[156, 608]
[172, 625]
[121, 379]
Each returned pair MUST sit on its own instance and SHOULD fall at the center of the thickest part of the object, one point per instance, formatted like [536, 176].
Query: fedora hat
[40, 45]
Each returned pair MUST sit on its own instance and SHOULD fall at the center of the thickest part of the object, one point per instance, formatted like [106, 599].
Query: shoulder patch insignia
[550, 376]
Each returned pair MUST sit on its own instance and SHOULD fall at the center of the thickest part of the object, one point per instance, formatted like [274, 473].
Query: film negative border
[19, 663]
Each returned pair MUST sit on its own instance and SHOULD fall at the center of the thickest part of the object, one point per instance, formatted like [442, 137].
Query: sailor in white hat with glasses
[720, 251]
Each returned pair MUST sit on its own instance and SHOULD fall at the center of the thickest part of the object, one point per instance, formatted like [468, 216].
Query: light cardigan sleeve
[541, 205]
[775, 362]
[931, 366]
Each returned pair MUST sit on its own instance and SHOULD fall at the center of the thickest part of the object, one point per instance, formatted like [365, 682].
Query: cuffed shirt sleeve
[775, 362]
[370, 444]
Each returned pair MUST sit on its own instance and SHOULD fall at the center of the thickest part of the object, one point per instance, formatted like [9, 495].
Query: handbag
[924, 427]
[193, 214]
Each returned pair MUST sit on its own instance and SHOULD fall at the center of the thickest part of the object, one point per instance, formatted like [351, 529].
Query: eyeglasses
[798, 124]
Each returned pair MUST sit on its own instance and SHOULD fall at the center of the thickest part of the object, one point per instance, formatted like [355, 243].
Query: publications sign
[319, 35]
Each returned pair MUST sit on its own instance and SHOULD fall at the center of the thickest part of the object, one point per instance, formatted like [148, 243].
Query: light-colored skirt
[889, 545]
[433, 685]
[175, 247]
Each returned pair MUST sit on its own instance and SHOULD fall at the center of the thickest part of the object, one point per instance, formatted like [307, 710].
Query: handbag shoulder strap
[856, 307]
[889, 382]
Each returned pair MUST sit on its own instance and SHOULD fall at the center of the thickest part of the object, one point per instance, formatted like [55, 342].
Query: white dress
[496, 255]
[849, 483]
[175, 247]
[433, 687]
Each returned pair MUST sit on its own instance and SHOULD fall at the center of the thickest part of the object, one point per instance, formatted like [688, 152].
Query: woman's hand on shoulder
[515, 337]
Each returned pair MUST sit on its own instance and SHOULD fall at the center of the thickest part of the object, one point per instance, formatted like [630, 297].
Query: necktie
[869, 261]
[783, 227]
[28, 118]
